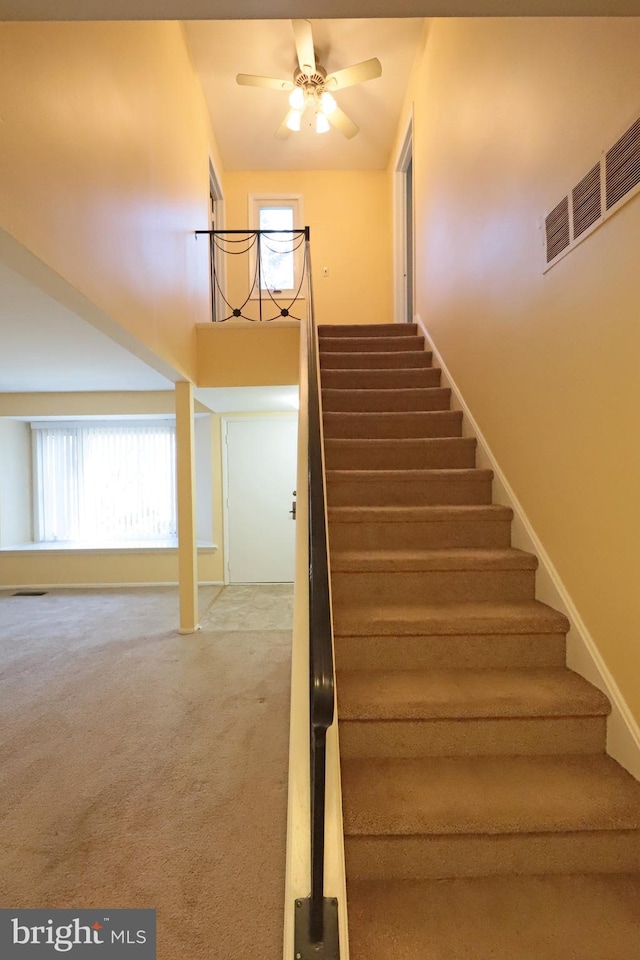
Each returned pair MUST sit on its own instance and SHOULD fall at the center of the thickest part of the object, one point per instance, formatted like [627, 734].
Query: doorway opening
[216, 219]
[404, 231]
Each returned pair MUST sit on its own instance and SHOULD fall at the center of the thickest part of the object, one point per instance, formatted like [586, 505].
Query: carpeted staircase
[483, 818]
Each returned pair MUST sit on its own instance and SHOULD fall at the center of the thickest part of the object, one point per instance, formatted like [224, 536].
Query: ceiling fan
[313, 87]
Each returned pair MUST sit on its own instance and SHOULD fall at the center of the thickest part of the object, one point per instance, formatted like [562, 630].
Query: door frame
[217, 220]
[225, 420]
[401, 252]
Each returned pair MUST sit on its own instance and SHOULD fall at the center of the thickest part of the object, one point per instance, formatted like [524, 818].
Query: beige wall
[104, 170]
[15, 482]
[246, 354]
[86, 569]
[123, 403]
[349, 214]
[509, 113]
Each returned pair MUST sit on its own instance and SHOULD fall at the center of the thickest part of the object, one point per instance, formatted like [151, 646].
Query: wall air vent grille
[557, 227]
[610, 183]
[586, 198]
[623, 165]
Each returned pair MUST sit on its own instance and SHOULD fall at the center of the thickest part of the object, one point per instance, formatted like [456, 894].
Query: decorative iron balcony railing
[258, 275]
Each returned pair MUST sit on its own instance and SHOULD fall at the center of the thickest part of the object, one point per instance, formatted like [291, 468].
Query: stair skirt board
[471, 755]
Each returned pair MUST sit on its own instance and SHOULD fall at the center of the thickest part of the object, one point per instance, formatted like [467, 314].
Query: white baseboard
[101, 586]
[583, 655]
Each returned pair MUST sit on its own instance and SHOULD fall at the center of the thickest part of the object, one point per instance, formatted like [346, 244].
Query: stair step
[411, 487]
[412, 713]
[524, 736]
[373, 360]
[370, 401]
[494, 795]
[367, 330]
[462, 651]
[453, 560]
[471, 816]
[468, 694]
[362, 344]
[360, 379]
[372, 528]
[456, 575]
[400, 454]
[577, 917]
[466, 619]
[388, 426]
[456, 636]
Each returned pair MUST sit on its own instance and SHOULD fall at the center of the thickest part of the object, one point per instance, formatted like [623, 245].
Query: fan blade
[343, 123]
[283, 131]
[358, 73]
[248, 80]
[304, 46]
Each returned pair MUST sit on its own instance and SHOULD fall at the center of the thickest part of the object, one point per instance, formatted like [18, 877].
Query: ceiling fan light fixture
[297, 99]
[310, 86]
[327, 103]
[293, 120]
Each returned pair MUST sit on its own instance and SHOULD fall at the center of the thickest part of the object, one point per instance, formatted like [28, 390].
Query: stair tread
[373, 329]
[395, 443]
[425, 473]
[570, 917]
[432, 414]
[324, 352]
[380, 379]
[395, 360]
[385, 391]
[488, 795]
[434, 514]
[385, 399]
[450, 619]
[466, 694]
[328, 340]
[359, 370]
[451, 558]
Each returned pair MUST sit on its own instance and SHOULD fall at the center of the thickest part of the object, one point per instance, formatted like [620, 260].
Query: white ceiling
[245, 119]
[44, 347]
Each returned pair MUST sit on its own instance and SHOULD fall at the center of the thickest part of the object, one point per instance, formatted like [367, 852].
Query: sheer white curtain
[107, 481]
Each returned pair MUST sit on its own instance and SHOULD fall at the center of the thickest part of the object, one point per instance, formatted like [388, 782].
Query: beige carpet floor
[140, 768]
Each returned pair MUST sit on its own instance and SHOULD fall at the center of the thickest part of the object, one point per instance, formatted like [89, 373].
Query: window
[277, 250]
[112, 481]
[281, 255]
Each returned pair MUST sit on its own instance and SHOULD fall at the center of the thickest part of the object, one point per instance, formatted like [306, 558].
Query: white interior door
[261, 457]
